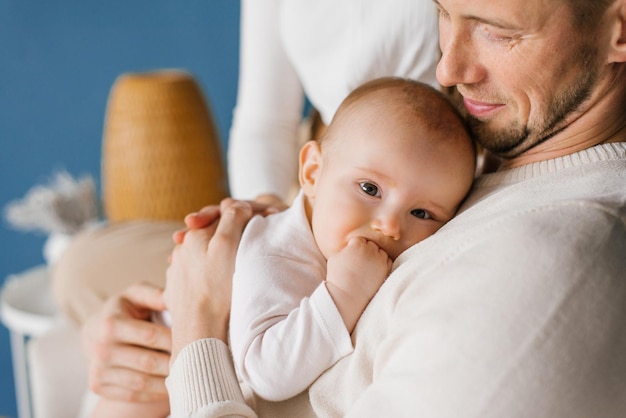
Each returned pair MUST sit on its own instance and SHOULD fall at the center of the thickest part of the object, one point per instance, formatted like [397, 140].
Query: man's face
[523, 68]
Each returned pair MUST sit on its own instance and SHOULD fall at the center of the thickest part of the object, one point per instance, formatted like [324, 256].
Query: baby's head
[393, 167]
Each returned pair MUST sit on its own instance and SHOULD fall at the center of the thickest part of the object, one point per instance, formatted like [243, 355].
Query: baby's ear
[310, 167]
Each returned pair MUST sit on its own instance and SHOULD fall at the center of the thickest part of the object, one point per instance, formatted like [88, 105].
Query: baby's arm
[354, 276]
[285, 328]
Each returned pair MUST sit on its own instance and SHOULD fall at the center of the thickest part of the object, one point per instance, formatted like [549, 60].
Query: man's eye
[420, 213]
[442, 13]
[370, 189]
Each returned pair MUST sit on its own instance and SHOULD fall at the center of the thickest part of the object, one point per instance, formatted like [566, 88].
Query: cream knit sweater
[516, 308]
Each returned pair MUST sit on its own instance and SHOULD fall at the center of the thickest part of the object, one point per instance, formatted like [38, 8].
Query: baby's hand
[360, 268]
[354, 276]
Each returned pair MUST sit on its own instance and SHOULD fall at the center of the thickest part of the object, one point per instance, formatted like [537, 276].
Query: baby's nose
[389, 226]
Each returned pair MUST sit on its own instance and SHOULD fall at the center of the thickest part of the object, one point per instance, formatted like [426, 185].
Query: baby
[392, 168]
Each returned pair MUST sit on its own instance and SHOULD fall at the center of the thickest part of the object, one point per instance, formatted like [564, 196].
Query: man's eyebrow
[491, 22]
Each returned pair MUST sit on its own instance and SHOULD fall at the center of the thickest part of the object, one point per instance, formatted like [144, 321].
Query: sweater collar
[603, 152]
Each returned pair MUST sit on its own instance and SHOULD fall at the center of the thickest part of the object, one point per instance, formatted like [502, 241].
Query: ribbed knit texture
[606, 152]
[206, 377]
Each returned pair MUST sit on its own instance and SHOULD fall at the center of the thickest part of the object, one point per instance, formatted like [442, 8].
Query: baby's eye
[420, 213]
[370, 188]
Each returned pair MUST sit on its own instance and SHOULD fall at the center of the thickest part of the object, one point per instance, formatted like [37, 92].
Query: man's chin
[505, 141]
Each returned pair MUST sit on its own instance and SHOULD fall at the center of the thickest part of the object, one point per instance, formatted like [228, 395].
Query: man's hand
[199, 279]
[128, 355]
[208, 215]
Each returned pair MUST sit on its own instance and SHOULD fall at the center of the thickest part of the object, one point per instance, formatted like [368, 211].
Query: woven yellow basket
[161, 151]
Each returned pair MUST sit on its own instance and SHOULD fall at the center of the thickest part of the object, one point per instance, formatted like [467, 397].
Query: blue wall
[58, 60]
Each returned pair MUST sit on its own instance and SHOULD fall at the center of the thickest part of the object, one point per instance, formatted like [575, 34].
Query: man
[516, 308]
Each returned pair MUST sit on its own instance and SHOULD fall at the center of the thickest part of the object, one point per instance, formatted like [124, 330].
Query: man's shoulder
[563, 239]
[561, 232]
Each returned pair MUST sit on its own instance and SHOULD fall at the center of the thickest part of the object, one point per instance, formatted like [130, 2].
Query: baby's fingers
[366, 246]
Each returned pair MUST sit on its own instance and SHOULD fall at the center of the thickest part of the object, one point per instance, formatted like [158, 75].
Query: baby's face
[390, 182]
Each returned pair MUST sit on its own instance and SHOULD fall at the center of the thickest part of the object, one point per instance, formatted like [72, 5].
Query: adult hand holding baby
[199, 278]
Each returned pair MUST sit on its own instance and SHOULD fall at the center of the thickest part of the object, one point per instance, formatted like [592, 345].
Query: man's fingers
[137, 332]
[203, 218]
[179, 236]
[151, 362]
[198, 239]
[144, 295]
[261, 208]
[235, 216]
[133, 381]
[127, 385]
[209, 215]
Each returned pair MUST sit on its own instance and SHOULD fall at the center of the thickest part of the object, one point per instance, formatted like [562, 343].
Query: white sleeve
[283, 355]
[285, 328]
[263, 144]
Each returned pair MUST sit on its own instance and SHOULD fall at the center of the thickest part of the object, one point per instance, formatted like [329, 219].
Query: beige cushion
[104, 260]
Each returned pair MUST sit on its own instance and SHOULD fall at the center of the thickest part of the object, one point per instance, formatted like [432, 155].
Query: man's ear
[618, 36]
[310, 167]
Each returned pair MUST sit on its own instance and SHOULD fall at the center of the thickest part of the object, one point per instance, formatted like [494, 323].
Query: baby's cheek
[326, 245]
[329, 237]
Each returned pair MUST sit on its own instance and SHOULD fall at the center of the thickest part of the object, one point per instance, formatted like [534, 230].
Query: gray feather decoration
[63, 206]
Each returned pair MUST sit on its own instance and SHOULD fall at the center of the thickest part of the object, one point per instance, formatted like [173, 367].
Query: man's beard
[517, 138]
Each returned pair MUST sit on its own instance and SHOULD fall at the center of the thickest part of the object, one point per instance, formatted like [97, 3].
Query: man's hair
[588, 12]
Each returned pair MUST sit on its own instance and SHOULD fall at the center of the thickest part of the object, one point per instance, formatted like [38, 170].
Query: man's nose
[459, 62]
